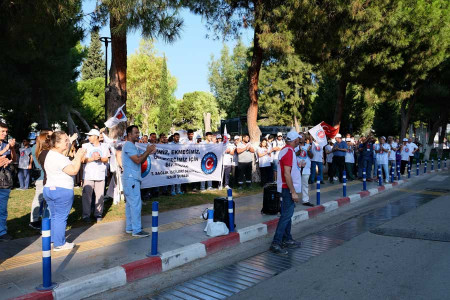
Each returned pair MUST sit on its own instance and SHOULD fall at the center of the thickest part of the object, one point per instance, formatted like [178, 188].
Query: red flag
[330, 131]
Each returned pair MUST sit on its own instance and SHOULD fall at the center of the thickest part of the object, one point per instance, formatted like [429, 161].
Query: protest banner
[177, 164]
[319, 135]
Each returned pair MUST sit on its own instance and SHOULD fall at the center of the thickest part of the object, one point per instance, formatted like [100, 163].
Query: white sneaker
[227, 187]
[66, 246]
[387, 181]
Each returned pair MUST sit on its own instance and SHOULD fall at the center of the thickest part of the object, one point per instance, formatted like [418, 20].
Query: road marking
[421, 192]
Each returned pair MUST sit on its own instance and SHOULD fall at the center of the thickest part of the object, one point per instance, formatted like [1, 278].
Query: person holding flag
[304, 155]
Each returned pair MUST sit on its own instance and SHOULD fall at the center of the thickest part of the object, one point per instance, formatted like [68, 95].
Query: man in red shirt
[289, 183]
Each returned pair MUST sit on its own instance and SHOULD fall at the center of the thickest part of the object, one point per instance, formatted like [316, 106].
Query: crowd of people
[56, 163]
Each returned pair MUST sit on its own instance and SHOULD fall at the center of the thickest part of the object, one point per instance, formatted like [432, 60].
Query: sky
[187, 58]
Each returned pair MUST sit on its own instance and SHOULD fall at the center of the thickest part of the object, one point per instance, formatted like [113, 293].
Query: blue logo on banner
[209, 163]
[146, 167]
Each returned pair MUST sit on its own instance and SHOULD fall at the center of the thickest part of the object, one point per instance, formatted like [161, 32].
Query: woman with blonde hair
[58, 190]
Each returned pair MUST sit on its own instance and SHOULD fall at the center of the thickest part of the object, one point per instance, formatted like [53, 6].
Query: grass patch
[19, 206]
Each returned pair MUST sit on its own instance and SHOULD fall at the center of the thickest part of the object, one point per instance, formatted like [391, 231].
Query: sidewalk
[105, 246]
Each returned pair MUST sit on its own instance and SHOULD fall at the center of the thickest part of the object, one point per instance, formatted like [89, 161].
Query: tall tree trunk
[405, 112]
[441, 139]
[253, 78]
[297, 126]
[441, 120]
[338, 110]
[207, 121]
[43, 116]
[116, 94]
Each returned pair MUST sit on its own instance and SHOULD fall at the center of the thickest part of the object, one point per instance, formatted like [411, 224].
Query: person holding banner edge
[131, 179]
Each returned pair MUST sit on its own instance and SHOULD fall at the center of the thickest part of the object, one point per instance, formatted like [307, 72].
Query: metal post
[409, 170]
[364, 180]
[417, 169]
[155, 213]
[230, 209]
[344, 185]
[380, 178]
[106, 40]
[445, 162]
[425, 168]
[432, 164]
[47, 283]
[439, 163]
[318, 191]
[392, 173]
[398, 172]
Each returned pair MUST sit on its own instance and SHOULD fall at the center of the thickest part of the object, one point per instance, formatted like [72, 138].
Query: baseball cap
[227, 135]
[338, 135]
[198, 136]
[292, 135]
[279, 134]
[236, 137]
[219, 136]
[348, 139]
[383, 137]
[405, 139]
[93, 132]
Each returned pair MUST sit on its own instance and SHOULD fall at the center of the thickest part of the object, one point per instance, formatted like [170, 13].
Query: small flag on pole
[225, 135]
[119, 116]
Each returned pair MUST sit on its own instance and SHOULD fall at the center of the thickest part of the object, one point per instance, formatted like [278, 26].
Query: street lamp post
[106, 40]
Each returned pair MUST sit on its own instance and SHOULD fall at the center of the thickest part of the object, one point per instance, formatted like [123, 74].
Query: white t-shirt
[54, 164]
[235, 157]
[349, 156]
[303, 158]
[392, 153]
[329, 155]
[382, 158]
[277, 143]
[317, 152]
[412, 147]
[95, 170]
[405, 153]
[227, 157]
[266, 160]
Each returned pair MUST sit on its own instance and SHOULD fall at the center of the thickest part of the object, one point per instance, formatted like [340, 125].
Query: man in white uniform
[304, 155]
[277, 145]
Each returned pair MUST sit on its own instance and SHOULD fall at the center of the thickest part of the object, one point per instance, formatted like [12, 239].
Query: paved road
[406, 258]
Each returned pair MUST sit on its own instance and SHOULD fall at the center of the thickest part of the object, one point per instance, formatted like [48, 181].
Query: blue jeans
[385, 169]
[24, 178]
[365, 163]
[133, 207]
[59, 201]
[313, 170]
[4, 196]
[283, 231]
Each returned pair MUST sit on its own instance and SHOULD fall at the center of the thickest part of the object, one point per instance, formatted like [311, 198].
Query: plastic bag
[217, 229]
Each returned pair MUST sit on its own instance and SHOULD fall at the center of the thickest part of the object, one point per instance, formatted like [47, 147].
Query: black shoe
[308, 204]
[35, 225]
[291, 244]
[321, 182]
[87, 220]
[331, 181]
[4, 238]
[141, 234]
[310, 182]
[99, 219]
[275, 248]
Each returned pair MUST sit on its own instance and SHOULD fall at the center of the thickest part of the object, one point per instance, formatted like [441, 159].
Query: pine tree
[94, 65]
[165, 106]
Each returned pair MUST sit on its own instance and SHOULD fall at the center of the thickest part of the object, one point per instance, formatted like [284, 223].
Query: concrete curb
[118, 276]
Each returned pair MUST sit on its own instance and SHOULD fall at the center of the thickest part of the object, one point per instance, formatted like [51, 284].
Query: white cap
[292, 135]
[219, 136]
[333, 141]
[236, 137]
[383, 137]
[279, 134]
[348, 139]
[198, 136]
[227, 135]
[338, 135]
[94, 132]
[405, 139]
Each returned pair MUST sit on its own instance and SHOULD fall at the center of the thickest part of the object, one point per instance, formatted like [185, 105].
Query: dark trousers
[349, 169]
[245, 173]
[403, 165]
[338, 166]
[226, 175]
[266, 175]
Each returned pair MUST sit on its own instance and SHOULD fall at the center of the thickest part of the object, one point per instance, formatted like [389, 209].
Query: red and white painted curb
[95, 283]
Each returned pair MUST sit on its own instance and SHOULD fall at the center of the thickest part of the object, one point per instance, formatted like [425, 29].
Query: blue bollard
[47, 283]
[445, 162]
[155, 213]
[425, 167]
[380, 178]
[344, 184]
[392, 173]
[409, 170]
[318, 191]
[439, 163]
[230, 209]
[432, 164]
[364, 180]
[417, 169]
[398, 172]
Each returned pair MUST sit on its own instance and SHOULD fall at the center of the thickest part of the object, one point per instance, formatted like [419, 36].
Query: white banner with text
[177, 164]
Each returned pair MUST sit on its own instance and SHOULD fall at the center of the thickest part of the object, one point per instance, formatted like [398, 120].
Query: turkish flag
[330, 131]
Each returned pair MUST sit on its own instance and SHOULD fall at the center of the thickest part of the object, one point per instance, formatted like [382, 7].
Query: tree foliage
[93, 65]
[92, 100]
[166, 102]
[190, 111]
